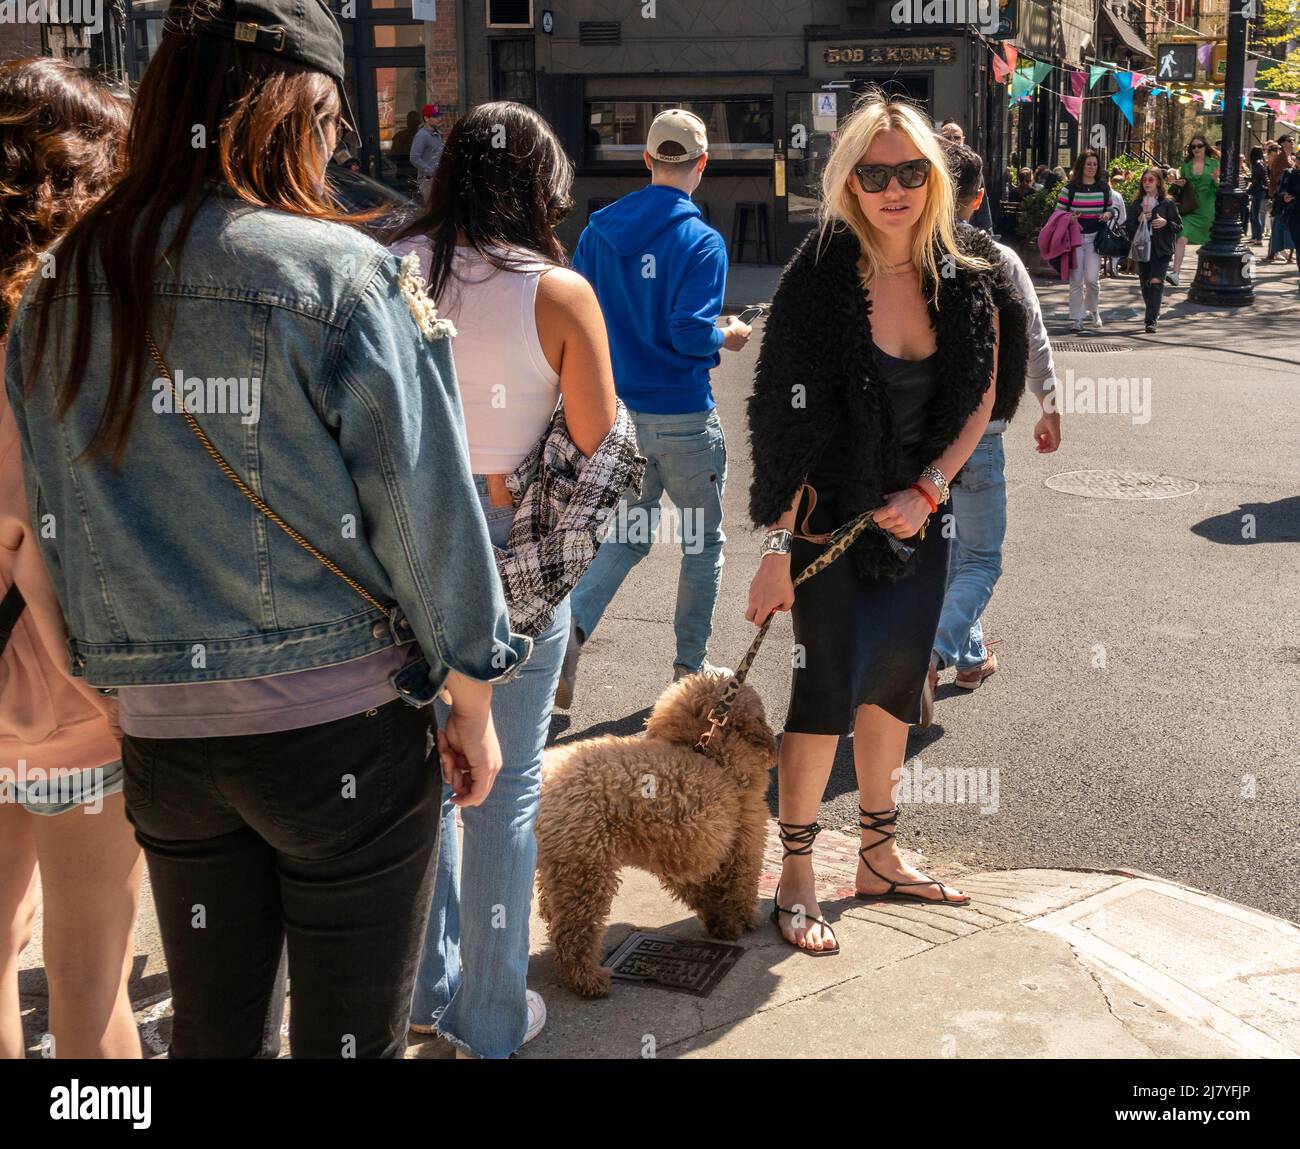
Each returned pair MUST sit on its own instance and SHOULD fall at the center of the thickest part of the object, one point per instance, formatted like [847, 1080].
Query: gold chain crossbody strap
[839, 541]
[250, 494]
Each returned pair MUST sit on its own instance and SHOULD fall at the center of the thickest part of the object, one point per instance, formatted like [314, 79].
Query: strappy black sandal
[880, 821]
[803, 836]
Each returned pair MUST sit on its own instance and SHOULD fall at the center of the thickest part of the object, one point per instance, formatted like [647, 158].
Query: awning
[1127, 33]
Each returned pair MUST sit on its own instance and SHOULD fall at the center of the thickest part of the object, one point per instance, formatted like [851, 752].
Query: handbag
[1184, 193]
[1112, 240]
[1140, 247]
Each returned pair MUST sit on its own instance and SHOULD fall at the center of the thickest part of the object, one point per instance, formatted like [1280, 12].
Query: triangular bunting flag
[1012, 53]
[1022, 85]
[1256, 105]
[1077, 82]
[1073, 104]
[1124, 99]
[1040, 72]
[1203, 54]
[1001, 69]
[1095, 71]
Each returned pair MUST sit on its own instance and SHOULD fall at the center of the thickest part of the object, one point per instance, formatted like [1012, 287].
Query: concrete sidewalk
[1043, 963]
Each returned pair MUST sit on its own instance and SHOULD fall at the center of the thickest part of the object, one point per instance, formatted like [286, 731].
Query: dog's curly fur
[695, 821]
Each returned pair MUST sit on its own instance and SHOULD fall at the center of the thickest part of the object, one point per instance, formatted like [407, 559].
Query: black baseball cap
[302, 30]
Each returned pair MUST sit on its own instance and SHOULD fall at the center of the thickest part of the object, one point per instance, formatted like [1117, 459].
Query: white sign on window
[825, 118]
[424, 9]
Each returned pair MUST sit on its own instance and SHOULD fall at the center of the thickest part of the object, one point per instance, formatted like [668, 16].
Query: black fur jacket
[817, 375]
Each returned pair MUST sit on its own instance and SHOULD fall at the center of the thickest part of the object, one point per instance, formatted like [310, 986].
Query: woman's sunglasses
[875, 177]
[1198, 147]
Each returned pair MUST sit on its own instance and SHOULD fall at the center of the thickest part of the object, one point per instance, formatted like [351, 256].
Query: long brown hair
[1162, 190]
[504, 182]
[206, 112]
[1076, 174]
[61, 136]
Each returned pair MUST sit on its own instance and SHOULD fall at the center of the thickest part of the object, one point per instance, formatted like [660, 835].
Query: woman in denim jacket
[276, 776]
[528, 332]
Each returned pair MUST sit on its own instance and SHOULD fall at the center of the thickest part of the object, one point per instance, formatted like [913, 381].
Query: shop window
[739, 129]
[512, 71]
[397, 35]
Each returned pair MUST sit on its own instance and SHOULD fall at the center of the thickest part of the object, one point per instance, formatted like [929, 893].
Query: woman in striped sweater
[1089, 196]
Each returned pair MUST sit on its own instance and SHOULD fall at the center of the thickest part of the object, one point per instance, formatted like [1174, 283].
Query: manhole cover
[1089, 345]
[693, 967]
[1120, 485]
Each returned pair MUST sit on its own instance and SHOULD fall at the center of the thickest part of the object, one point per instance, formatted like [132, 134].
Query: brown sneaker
[970, 679]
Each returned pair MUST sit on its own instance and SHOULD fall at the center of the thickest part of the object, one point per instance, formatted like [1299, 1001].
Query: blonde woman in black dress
[874, 385]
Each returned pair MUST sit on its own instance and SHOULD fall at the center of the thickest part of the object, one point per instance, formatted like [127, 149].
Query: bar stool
[745, 210]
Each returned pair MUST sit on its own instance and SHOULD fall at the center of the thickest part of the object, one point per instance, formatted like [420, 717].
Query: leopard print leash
[838, 542]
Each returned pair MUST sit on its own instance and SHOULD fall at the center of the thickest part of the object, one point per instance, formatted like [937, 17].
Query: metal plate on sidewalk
[679, 964]
[1120, 485]
[1089, 345]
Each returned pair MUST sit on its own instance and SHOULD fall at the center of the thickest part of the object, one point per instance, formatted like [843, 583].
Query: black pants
[323, 838]
[1153, 293]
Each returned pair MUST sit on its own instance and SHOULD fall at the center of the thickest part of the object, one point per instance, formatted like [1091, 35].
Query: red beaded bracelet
[926, 496]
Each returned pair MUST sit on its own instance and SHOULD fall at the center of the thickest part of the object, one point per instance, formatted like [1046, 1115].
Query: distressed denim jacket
[294, 344]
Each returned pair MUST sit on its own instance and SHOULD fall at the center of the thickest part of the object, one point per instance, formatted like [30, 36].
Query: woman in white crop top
[528, 332]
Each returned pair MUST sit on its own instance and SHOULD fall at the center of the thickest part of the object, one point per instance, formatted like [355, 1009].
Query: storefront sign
[890, 54]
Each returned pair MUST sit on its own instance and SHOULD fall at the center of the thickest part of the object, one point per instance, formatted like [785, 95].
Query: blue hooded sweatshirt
[659, 272]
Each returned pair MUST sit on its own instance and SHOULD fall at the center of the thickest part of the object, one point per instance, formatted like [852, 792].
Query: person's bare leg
[90, 874]
[802, 773]
[879, 746]
[17, 914]
[1180, 250]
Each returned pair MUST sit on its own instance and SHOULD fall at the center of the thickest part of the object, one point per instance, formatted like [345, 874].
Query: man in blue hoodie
[659, 272]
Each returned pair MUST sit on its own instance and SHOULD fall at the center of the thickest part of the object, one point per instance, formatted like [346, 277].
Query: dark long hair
[206, 111]
[503, 182]
[1211, 152]
[61, 136]
[1076, 175]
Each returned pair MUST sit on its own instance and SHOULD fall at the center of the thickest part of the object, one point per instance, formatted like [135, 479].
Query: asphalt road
[1145, 713]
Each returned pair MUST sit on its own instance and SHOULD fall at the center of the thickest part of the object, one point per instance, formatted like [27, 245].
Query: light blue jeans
[474, 969]
[979, 505]
[686, 455]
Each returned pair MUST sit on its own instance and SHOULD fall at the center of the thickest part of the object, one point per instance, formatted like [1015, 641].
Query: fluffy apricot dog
[695, 821]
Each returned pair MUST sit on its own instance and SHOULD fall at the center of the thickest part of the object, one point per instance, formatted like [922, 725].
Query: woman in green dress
[1201, 170]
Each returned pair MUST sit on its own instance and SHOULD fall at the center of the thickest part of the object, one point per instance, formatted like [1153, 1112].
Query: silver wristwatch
[776, 542]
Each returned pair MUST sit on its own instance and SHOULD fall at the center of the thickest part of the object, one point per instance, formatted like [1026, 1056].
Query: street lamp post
[1225, 270]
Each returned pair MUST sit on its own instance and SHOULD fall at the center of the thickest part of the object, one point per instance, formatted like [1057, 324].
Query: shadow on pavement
[1276, 522]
